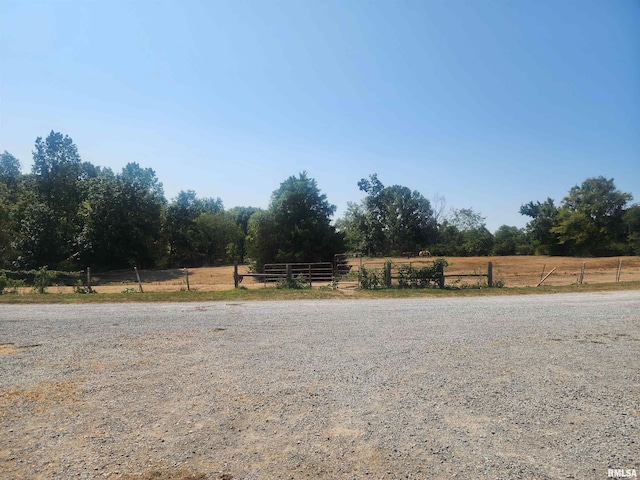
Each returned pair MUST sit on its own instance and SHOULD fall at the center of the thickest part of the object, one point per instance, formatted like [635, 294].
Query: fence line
[556, 271]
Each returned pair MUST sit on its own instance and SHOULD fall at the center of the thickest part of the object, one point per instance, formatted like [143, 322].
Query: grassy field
[520, 275]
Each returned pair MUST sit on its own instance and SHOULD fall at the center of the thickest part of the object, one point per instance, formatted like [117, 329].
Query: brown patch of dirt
[41, 396]
[7, 348]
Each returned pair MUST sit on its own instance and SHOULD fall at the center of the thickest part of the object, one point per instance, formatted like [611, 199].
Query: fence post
[441, 277]
[387, 275]
[490, 274]
[89, 278]
[138, 277]
[235, 274]
[289, 273]
[186, 275]
[582, 273]
[619, 271]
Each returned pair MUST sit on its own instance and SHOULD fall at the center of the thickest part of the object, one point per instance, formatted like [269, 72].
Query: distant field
[514, 271]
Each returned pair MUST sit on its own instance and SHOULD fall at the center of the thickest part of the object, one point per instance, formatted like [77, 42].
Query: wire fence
[460, 272]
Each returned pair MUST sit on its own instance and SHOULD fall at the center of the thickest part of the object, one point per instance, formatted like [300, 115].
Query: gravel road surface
[531, 387]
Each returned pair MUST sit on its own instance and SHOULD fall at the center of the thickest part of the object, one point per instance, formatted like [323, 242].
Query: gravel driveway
[532, 387]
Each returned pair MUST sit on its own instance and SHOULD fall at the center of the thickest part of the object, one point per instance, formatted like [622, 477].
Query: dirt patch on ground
[7, 348]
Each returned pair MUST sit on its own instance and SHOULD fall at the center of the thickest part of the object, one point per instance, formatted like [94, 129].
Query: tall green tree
[297, 227]
[544, 216]
[50, 224]
[241, 216]
[631, 219]
[390, 220]
[466, 219]
[10, 178]
[180, 226]
[508, 240]
[57, 168]
[216, 239]
[463, 232]
[9, 170]
[123, 216]
[590, 220]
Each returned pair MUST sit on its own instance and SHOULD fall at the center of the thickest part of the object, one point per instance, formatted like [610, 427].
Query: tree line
[67, 214]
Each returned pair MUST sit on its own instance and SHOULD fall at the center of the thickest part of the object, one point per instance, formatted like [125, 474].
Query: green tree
[590, 221]
[242, 215]
[50, 225]
[449, 241]
[464, 233]
[296, 228]
[353, 225]
[9, 170]
[509, 240]
[390, 220]
[262, 239]
[10, 178]
[57, 168]
[216, 239]
[477, 241]
[544, 216]
[180, 227]
[466, 219]
[631, 219]
[123, 216]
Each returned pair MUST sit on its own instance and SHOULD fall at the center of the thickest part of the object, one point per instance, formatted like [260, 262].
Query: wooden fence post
[490, 274]
[138, 277]
[441, 277]
[552, 270]
[186, 276]
[387, 275]
[235, 274]
[89, 278]
[289, 273]
[582, 273]
[619, 271]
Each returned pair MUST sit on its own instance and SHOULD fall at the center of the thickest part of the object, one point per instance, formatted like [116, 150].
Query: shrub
[297, 282]
[81, 289]
[9, 285]
[43, 279]
[410, 277]
[370, 279]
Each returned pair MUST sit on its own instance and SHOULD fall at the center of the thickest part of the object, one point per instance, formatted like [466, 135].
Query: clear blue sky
[489, 103]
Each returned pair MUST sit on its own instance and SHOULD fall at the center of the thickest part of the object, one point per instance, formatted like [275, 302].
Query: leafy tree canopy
[389, 220]
[297, 227]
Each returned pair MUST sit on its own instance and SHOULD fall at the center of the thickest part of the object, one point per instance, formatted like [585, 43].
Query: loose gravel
[532, 387]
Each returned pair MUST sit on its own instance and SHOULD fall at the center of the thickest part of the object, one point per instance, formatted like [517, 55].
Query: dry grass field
[514, 271]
